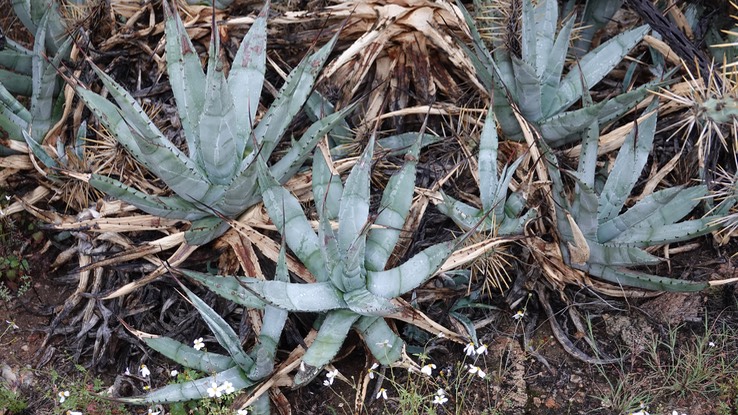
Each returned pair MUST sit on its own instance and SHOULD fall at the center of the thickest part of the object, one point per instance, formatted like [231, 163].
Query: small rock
[25, 348]
[574, 378]
[8, 374]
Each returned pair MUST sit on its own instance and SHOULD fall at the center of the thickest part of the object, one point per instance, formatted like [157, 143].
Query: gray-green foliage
[217, 177]
[242, 369]
[352, 288]
[599, 238]
[533, 81]
[499, 213]
[33, 73]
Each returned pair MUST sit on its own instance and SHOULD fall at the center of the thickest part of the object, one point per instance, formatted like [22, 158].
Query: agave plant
[599, 238]
[533, 81]
[32, 73]
[217, 178]
[352, 287]
[239, 369]
[499, 213]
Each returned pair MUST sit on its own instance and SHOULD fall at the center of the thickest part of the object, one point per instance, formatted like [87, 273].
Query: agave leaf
[246, 78]
[39, 151]
[653, 211]
[165, 207]
[562, 129]
[16, 83]
[539, 28]
[185, 76]
[556, 59]
[393, 211]
[318, 107]
[146, 142]
[16, 58]
[629, 163]
[487, 162]
[205, 230]
[223, 332]
[383, 343]
[332, 333]
[187, 356]
[22, 9]
[271, 329]
[291, 223]
[304, 298]
[327, 188]
[465, 216]
[528, 89]
[192, 390]
[353, 217]
[288, 165]
[13, 109]
[400, 144]
[635, 279]
[362, 302]
[217, 148]
[330, 253]
[619, 255]
[592, 68]
[227, 287]
[292, 96]
[411, 274]
[262, 405]
[44, 83]
[666, 234]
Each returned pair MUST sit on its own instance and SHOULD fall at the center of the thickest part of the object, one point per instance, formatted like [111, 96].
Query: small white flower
[302, 366]
[440, 335]
[476, 370]
[520, 314]
[227, 388]
[145, 372]
[73, 413]
[382, 393]
[374, 367]
[428, 369]
[214, 391]
[174, 373]
[127, 372]
[12, 324]
[440, 399]
[385, 344]
[242, 412]
[470, 349]
[198, 344]
[481, 350]
[63, 396]
[331, 375]
[711, 344]
[152, 412]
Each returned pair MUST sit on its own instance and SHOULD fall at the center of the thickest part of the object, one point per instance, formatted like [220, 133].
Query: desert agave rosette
[217, 178]
[597, 237]
[533, 81]
[352, 288]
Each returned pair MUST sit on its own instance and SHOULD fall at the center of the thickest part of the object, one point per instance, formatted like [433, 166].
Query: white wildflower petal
[481, 350]
[213, 390]
[374, 367]
[441, 392]
[227, 388]
[198, 344]
[428, 369]
[441, 335]
[475, 370]
[470, 349]
[520, 314]
[174, 373]
[152, 412]
[439, 399]
[127, 372]
[63, 396]
[242, 412]
[385, 344]
[711, 344]
[144, 370]
[382, 393]
[73, 413]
